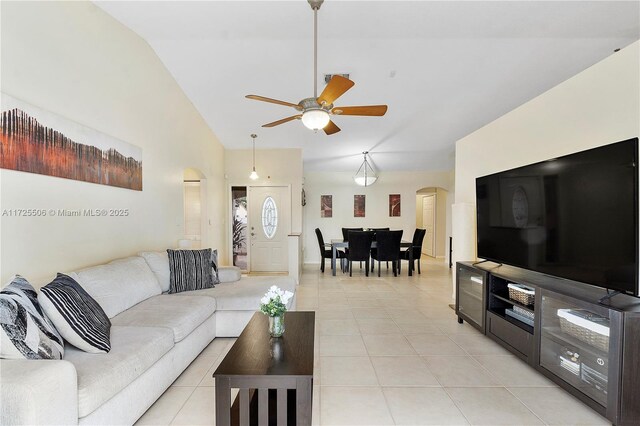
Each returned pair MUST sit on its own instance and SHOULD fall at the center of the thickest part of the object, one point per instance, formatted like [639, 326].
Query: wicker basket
[522, 294]
[524, 312]
[594, 338]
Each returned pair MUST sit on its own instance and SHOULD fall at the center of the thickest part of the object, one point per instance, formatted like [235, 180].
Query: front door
[269, 226]
[429, 223]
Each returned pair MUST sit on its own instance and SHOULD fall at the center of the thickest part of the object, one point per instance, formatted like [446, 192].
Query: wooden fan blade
[331, 128]
[273, 101]
[369, 110]
[336, 88]
[284, 120]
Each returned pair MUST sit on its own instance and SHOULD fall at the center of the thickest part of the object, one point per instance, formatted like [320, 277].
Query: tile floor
[390, 351]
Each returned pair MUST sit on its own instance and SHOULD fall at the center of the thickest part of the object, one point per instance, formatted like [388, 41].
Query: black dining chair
[373, 250]
[416, 246]
[388, 249]
[326, 253]
[345, 237]
[359, 249]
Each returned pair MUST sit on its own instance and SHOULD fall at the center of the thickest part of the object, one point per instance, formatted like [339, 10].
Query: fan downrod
[315, 4]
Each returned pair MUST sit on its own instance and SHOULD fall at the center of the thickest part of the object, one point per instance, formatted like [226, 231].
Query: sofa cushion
[158, 262]
[119, 284]
[180, 314]
[25, 330]
[229, 274]
[190, 270]
[78, 318]
[133, 351]
[245, 294]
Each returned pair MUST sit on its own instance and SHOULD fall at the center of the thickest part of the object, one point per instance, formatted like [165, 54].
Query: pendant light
[365, 176]
[254, 175]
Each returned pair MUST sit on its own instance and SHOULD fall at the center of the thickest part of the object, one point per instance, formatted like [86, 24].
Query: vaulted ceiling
[444, 68]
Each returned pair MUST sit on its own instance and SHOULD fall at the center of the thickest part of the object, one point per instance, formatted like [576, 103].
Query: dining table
[338, 243]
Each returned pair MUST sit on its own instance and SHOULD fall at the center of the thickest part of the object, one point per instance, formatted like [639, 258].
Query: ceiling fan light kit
[315, 113]
[365, 176]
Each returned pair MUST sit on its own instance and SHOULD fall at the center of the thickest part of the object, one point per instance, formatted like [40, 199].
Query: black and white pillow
[77, 316]
[25, 330]
[190, 270]
[214, 266]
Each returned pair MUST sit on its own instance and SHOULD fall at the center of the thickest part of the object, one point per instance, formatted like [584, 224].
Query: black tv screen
[573, 217]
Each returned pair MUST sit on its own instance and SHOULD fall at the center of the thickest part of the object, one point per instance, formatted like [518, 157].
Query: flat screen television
[574, 217]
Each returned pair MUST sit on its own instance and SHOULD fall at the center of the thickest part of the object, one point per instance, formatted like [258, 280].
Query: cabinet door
[470, 302]
[578, 343]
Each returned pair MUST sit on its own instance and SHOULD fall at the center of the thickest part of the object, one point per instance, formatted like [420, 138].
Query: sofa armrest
[38, 392]
[229, 274]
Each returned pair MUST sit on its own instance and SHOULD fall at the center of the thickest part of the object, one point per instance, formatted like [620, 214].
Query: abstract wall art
[394, 205]
[326, 206]
[36, 141]
[359, 205]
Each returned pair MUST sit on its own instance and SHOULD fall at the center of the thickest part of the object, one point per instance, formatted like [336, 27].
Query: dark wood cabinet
[589, 347]
[471, 294]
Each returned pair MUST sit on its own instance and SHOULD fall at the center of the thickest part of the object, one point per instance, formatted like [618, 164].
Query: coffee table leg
[223, 401]
[304, 395]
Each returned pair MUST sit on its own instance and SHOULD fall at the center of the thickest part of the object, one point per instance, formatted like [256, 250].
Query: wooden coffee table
[274, 375]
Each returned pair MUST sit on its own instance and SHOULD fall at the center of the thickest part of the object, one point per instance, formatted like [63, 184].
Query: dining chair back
[375, 230]
[359, 249]
[388, 248]
[345, 233]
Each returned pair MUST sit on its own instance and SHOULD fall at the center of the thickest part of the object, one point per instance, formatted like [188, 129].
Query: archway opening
[431, 214]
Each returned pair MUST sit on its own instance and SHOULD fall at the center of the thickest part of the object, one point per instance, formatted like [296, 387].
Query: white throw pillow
[158, 262]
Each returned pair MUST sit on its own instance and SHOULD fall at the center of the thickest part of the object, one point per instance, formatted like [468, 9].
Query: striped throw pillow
[189, 270]
[214, 267]
[77, 316]
[25, 331]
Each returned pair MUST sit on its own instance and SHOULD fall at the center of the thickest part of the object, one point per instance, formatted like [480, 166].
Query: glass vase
[276, 325]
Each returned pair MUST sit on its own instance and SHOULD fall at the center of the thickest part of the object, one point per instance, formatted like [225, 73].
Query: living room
[558, 78]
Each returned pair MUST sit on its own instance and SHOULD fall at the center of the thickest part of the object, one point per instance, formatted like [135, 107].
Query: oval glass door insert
[269, 217]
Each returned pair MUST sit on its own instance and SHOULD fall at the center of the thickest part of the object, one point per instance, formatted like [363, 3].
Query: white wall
[343, 188]
[275, 167]
[73, 59]
[601, 105]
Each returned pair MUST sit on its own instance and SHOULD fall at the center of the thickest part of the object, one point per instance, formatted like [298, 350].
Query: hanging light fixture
[365, 176]
[254, 175]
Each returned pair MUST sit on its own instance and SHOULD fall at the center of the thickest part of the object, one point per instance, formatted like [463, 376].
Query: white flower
[265, 300]
[286, 296]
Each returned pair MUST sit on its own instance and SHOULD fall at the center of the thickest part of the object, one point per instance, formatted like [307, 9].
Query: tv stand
[563, 331]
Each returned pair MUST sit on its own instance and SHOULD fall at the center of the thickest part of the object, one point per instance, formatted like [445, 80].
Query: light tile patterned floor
[390, 351]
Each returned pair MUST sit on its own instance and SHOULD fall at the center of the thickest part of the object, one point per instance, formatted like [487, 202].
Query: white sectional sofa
[154, 337]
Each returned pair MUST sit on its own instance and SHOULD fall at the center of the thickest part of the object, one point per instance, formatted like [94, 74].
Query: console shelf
[590, 349]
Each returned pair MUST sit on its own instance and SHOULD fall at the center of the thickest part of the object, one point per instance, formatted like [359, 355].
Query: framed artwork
[326, 206]
[394, 205]
[37, 141]
[358, 205]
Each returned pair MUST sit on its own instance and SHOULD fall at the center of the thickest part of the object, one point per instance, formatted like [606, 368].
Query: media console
[560, 328]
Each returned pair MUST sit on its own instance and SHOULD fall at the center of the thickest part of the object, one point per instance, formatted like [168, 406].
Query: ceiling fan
[316, 112]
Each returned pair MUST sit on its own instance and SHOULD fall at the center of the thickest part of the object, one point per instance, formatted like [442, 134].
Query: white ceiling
[444, 68]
